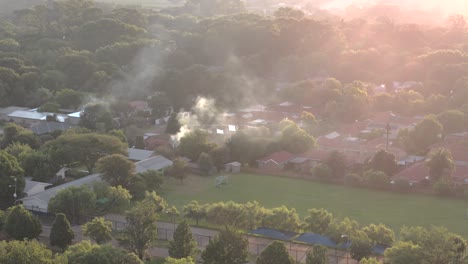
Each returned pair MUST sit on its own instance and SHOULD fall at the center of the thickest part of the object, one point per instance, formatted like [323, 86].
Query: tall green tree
[96, 114]
[153, 179]
[440, 163]
[283, 218]
[275, 253]
[380, 234]
[384, 161]
[437, 243]
[205, 162]
[369, 261]
[361, 246]
[179, 169]
[337, 163]
[21, 224]
[452, 121]
[173, 125]
[15, 133]
[11, 177]
[73, 201]
[318, 255]
[228, 247]
[194, 211]
[98, 230]
[85, 148]
[194, 143]
[68, 99]
[117, 199]
[61, 234]
[170, 260]
[116, 169]
[404, 252]
[27, 251]
[183, 245]
[141, 229]
[295, 139]
[424, 134]
[318, 220]
[86, 253]
[309, 122]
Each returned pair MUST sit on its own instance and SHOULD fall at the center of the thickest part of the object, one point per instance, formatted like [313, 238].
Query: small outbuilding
[233, 167]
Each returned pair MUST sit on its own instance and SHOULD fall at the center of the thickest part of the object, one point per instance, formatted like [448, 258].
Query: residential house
[306, 161]
[74, 118]
[32, 117]
[40, 201]
[32, 187]
[140, 106]
[4, 112]
[233, 167]
[275, 161]
[139, 154]
[156, 163]
[457, 144]
[62, 173]
[49, 127]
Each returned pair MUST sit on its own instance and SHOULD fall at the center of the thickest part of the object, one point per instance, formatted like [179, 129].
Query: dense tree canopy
[85, 149]
[21, 224]
[227, 247]
[75, 202]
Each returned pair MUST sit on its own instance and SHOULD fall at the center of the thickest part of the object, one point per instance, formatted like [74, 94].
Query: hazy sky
[449, 6]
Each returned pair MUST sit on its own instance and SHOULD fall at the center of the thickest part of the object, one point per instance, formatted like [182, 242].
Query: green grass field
[392, 209]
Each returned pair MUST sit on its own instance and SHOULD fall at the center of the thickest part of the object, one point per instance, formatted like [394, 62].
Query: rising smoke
[203, 115]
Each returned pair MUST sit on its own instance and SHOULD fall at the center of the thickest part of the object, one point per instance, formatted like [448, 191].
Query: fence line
[299, 255]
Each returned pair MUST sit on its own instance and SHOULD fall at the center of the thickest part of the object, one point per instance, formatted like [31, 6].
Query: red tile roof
[278, 157]
[419, 171]
[458, 146]
[414, 173]
[315, 154]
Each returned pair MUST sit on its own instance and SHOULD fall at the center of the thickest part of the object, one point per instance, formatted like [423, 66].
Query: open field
[366, 206]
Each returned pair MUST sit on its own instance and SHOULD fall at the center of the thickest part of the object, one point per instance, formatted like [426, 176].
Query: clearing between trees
[365, 206]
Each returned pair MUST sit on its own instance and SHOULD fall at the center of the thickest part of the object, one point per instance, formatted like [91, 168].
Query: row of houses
[457, 144]
[38, 196]
[414, 168]
[39, 122]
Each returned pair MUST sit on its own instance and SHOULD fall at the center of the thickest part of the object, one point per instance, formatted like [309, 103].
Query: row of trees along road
[415, 243]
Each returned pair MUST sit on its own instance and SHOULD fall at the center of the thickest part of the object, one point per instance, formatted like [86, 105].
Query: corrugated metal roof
[139, 154]
[33, 115]
[49, 127]
[46, 195]
[154, 163]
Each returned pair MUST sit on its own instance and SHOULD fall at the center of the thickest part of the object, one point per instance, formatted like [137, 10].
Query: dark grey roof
[139, 154]
[154, 163]
[49, 127]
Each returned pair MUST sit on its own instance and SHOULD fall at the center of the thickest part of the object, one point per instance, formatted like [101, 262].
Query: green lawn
[366, 206]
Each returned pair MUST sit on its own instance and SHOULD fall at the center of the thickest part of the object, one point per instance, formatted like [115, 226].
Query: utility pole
[14, 194]
[388, 133]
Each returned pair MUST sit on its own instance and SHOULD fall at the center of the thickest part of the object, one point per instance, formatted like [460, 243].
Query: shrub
[442, 187]
[353, 179]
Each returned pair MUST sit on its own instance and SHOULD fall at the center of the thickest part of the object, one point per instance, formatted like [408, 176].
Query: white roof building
[35, 116]
[40, 200]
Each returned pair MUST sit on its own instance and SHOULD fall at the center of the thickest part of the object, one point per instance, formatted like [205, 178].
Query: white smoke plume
[203, 115]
